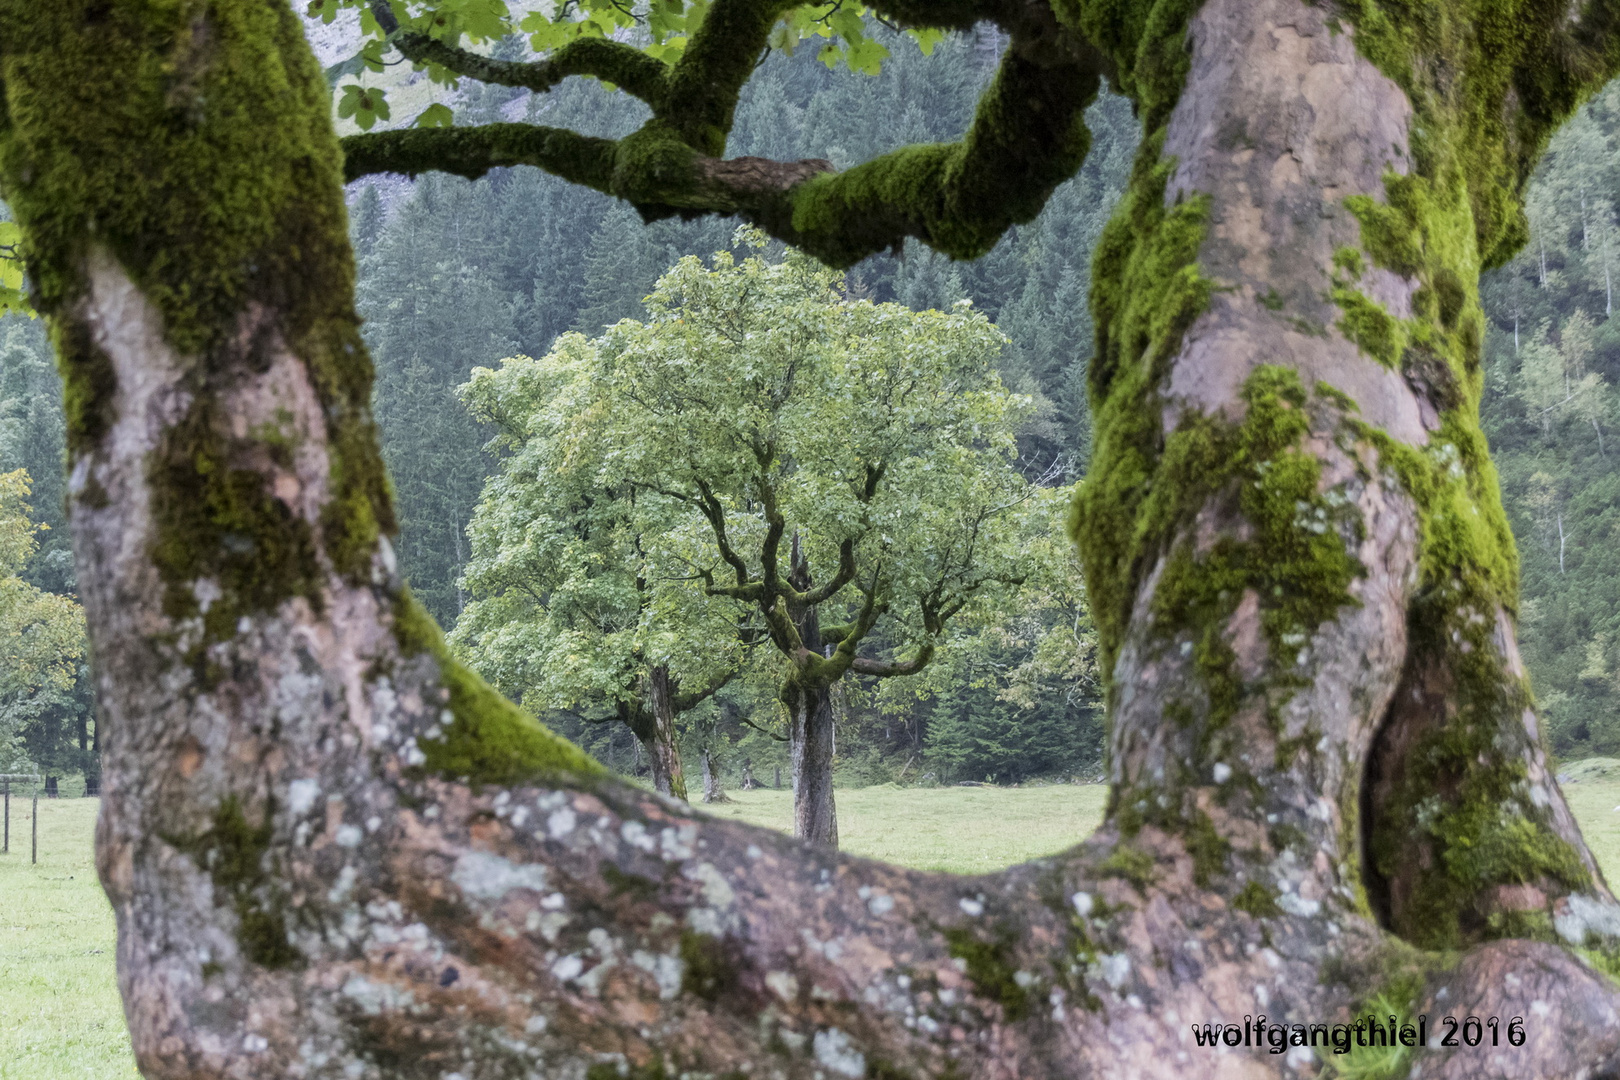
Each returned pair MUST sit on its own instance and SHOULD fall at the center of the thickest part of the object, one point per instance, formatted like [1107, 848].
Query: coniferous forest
[456, 275]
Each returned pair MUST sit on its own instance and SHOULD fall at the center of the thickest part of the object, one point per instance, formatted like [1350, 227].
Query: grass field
[59, 1011]
[60, 1016]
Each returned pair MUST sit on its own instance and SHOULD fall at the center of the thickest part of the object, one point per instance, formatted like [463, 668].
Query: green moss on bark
[708, 969]
[201, 158]
[1146, 292]
[990, 969]
[1258, 900]
[1488, 84]
[235, 855]
[489, 740]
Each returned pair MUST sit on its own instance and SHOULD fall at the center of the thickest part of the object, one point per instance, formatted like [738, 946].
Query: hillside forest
[457, 276]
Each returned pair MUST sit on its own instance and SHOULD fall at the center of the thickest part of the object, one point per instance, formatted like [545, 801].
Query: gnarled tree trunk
[334, 853]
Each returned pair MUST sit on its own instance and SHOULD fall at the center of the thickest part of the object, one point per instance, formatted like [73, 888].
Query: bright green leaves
[13, 288]
[435, 115]
[648, 471]
[660, 28]
[42, 635]
[365, 105]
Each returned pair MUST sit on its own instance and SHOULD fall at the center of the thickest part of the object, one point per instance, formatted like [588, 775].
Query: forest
[457, 275]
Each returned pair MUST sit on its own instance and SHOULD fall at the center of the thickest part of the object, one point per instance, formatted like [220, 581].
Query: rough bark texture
[668, 775]
[810, 750]
[713, 792]
[333, 853]
[1279, 707]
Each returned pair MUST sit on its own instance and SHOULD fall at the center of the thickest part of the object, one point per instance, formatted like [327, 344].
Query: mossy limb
[489, 740]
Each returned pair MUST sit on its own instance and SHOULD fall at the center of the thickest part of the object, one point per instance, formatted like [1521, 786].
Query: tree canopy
[42, 640]
[762, 459]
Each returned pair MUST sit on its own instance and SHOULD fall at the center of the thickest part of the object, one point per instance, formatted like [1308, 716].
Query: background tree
[541, 245]
[41, 645]
[850, 467]
[1302, 580]
[582, 603]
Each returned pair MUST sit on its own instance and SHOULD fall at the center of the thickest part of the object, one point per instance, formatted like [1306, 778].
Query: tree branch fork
[674, 165]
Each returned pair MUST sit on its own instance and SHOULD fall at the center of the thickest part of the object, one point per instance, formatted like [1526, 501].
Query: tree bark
[810, 754]
[332, 852]
[1283, 612]
[713, 792]
[668, 775]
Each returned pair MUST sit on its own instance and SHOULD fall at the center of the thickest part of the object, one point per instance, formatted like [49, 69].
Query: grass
[60, 1016]
[957, 830]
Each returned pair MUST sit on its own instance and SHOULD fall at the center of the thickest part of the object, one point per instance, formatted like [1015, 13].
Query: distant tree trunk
[810, 748]
[668, 775]
[50, 787]
[712, 791]
[92, 768]
[333, 852]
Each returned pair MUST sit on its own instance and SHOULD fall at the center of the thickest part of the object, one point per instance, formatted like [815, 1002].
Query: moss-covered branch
[706, 81]
[626, 66]
[1026, 138]
[473, 151]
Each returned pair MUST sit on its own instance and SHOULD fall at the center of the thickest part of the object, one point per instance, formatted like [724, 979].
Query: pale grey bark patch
[1288, 121]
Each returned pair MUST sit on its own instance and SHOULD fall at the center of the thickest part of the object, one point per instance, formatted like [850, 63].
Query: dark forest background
[457, 274]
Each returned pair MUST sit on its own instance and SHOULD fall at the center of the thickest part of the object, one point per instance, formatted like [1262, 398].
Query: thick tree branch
[770, 549]
[1027, 137]
[843, 576]
[624, 65]
[684, 701]
[473, 151]
[885, 669]
[709, 76]
[713, 512]
[846, 550]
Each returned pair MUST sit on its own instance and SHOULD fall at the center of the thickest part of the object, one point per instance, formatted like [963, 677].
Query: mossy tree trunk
[332, 852]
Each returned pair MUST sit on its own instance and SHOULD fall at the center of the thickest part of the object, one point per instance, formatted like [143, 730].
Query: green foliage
[632, 523]
[13, 290]
[42, 640]
[31, 438]
[580, 578]
[367, 107]
[846, 36]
